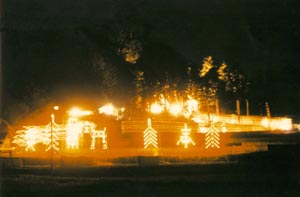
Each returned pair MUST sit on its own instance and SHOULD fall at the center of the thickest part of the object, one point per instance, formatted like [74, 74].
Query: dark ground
[272, 173]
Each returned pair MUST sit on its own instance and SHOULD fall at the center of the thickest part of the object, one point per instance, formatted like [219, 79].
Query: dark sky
[52, 45]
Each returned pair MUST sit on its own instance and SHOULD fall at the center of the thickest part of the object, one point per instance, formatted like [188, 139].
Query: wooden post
[217, 107]
[247, 107]
[238, 109]
[268, 110]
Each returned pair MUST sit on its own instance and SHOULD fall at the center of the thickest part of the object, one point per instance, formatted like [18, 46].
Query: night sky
[50, 48]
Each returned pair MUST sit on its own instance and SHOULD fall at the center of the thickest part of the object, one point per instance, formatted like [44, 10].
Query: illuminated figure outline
[99, 134]
[212, 137]
[150, 136]
[185, 137]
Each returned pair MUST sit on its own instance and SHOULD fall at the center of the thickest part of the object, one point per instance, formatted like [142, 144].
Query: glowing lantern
[150, 136]
[185, 137]
[156, 108]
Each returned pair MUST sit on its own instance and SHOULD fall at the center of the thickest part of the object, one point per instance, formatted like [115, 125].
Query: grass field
[272, 173]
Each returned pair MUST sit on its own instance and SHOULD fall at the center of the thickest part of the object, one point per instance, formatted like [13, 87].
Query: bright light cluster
[75, 130]
[52, 134]
[283, 124]
[156, 108]
[185, 138]
[76, 112]
[32, 135]
[110, 110]
[176, 108]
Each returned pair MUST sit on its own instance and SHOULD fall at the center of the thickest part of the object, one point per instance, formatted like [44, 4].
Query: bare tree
[108, 74]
